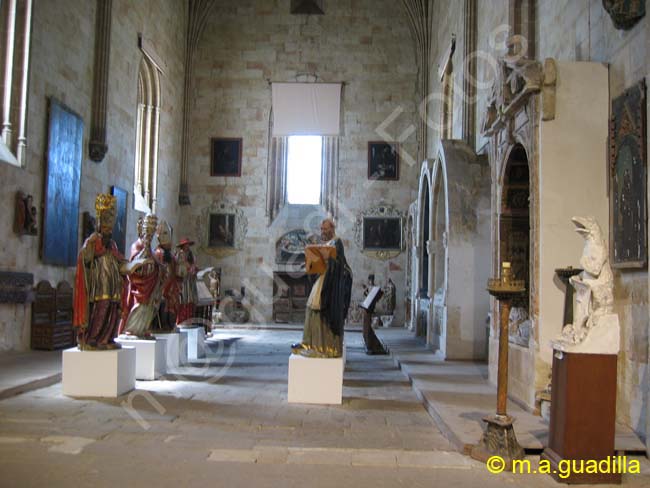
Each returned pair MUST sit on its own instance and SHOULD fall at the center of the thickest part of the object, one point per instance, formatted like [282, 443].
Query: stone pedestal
[315, 380]
[150, 361]
[193, 339]
[98, 373]
[176, 350]
[583, 414]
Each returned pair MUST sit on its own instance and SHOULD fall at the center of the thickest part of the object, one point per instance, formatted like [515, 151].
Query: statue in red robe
[99, 286]
[144, 287]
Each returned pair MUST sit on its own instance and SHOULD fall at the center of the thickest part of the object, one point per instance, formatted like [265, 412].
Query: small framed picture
[383, 161]
[226, 155]
[222, 230]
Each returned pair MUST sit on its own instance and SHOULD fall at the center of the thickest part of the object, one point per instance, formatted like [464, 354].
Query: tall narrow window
[15, 32]
[147, 130]
[304, 168]
[303, 146]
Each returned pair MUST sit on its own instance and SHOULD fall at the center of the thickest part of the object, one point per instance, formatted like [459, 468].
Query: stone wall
[364, 43]
[581, 30]
[567, 30]
[62, 57]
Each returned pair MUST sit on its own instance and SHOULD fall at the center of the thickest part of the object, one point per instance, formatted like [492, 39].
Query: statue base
[315, 380]
[583, 415]
[176, 355]
[150, 360]
[498, 440]
[193, 340]
[106, 374]
[604, 337]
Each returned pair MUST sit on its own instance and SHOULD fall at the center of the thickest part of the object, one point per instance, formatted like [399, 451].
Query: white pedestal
[176, 351]
[315, 380]
[98, 373]
[194, 341]
[150, 361]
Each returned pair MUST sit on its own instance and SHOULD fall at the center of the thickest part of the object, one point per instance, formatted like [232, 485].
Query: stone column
[469, 75]
[97, 147]
[8, 78]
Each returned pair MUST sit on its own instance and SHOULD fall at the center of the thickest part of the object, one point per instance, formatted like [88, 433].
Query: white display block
[98, 373]
[150, 360]
[194, 341]
[176, 355]
[315, 380]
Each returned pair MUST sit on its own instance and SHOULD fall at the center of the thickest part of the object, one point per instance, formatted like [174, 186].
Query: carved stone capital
[97, 150]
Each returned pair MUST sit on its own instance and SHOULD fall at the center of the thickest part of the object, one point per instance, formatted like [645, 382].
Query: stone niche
[546, 124]
[451, 252]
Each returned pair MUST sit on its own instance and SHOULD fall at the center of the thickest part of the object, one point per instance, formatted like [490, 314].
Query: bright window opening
[304, 162]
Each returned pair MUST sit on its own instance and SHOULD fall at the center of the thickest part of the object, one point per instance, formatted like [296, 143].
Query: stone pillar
[97, 147]
[469, 75]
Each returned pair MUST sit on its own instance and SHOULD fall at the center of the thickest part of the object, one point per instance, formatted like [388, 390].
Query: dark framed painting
[628, 179]
[62, 182]
[383, 161]
[226, 155]
[222, 230]
[382, 233]
[119, 230]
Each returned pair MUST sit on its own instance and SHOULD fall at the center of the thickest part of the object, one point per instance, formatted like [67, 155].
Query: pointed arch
[147, 133]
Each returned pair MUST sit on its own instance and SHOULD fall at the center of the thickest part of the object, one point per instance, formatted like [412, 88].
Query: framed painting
[119, 230]
[628, 179]
[62, 182]
[222, 230]
[226, 156]
[382, 233]
[383, 161]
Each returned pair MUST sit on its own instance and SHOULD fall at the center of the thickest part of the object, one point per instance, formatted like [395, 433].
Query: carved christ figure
[167, 261]
[186, 275]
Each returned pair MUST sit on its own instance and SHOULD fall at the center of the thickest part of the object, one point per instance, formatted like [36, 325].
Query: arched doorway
[439, 226]
[423, 259]
[514, 236]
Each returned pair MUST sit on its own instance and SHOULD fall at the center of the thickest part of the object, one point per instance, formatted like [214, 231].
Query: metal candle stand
[499, 437]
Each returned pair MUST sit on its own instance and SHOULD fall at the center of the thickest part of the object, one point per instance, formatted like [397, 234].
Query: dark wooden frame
[374, 148]
[627, 136]
[60, 236]
[230, 222]
[119, 230]
[217, 146]
[366, 247]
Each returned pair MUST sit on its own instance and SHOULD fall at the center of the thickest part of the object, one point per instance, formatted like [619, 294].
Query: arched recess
[421, 290]
[514, 235]
[145, 186]
[410, 264]
[439, 259]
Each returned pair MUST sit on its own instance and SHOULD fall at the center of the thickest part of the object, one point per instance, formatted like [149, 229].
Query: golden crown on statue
[105, 202]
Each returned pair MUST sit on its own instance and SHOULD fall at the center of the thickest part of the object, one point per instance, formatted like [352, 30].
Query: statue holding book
[328, 302]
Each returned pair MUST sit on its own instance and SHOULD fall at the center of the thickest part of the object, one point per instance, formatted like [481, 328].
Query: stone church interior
[355, 242]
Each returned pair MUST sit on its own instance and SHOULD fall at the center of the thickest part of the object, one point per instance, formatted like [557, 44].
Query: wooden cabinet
[290, 294]
[52, 317]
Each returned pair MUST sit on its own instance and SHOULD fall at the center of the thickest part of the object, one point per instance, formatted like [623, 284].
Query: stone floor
[225, 421]
[458, 395]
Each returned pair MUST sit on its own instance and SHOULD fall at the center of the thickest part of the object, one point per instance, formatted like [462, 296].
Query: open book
[316, 257]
